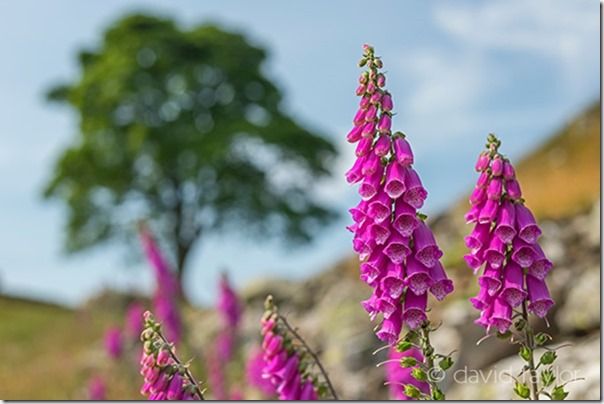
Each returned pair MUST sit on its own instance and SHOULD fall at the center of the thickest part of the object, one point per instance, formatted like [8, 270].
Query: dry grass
[562, 178]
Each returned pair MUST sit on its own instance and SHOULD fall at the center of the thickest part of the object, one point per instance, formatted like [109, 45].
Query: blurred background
[222, 125]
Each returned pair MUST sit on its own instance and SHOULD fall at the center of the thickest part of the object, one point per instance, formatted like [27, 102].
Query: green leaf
[525, 353]
[548, 358]
[558, 393]
[521, 390]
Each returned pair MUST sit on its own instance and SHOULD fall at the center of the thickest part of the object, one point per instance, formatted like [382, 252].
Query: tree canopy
[183, 127]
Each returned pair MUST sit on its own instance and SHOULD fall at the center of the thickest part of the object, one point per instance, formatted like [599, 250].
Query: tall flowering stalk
[229, 309]
[504, 244]
[289, 361]
[399, 256]
[167, 290]
[165, 376]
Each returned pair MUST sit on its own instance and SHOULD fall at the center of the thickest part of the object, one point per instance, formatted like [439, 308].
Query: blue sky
[458, 70]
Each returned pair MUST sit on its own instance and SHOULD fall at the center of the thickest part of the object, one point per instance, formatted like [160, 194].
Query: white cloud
[565, 31]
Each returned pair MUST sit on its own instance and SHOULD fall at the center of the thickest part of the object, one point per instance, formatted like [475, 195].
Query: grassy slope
[48, 352]
[562, 177]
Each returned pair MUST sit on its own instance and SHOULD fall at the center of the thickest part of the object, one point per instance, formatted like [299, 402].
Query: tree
[184, 128]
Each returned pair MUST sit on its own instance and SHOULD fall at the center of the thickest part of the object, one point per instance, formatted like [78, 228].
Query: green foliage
[548, 358]
[559, 393]
[183, 127]
[521, 390]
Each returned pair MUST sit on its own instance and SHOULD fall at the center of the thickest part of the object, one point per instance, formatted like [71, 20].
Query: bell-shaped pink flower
[497, 167]
[371, 114]
[359, 117]
[495, 253]
[426, 250]
[482, 300]
[508, 171]
[395, 180]
[416, 194]
[490, 280]
[387, 104]
[479, 237]
[397, 247]
[393, 284]
[441, 285]
[512, 188]
[505, 229]
[501, 318]
[418, 277]
[414, 313]
[513, 285]
[405, 219]
[380, 232]
[382, 146]
[372, 165]
[391, 328]
[363, 147]
[355, 134]
[369, 130]
[379, 208]
[526, 224]
[540, 300]
[402, 151]
[483, 162]
[495, 189]
[479, 195]
[475, 259]
[523, 253]
[541, 265]
[385, 123]
[488, 212]
[355, 174]
[483, 179]
[370, 186]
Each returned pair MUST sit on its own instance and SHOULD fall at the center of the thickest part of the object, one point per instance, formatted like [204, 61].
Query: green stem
[530, 343]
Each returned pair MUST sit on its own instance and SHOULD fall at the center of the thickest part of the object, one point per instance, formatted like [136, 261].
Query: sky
[457, 71]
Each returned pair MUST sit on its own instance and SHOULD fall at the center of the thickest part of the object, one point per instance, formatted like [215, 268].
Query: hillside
[562, 177]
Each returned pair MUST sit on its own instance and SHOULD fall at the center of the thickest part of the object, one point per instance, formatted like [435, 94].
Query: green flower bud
[437, 394]
[446, 363]
[412, 391]
[547, 377]
[525, 353]
[522, 390]
[542, 338]
[408, 361]
[559, 393]
[548, 358]
[419, 374]
[403, 346]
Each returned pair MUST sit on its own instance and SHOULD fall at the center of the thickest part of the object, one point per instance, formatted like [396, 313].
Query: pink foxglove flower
[505, 243]
[167, 290]
[113, 342]
[399, 254]
[287, 365]
[96, 389]
[134, 320]
[165, 377]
